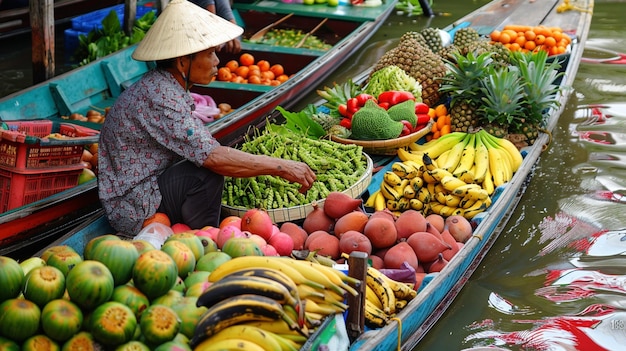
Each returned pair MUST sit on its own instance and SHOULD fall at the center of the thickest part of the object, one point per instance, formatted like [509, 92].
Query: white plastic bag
[155, 233]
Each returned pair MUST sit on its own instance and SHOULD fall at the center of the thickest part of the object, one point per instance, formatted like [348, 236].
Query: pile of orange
[442, 125]
[532, 38]
[247, 70]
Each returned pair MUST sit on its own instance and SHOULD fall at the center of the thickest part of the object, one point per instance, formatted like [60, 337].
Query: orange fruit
[495, 35]
[529, 35]
[269, 75]
[515, 47]
[237, 79]
[158, 217]
[521, 40]
[254, 67]
[512, 34]
[246, 59]
[282, 78]
[445, 129]
[254, 79]
[277, 69]
[441, 110]
[223, 74]
[274, 82]
[530, 45]
[254, 72]
[540, 39]
[505, 38]
[232, 65]
[549, 42]
[243, 71]
[264, 65]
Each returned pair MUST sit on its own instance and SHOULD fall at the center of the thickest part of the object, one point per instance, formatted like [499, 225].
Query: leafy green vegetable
[300, 122]
[111, 38]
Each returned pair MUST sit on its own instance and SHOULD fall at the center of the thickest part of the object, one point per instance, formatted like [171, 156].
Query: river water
[572, 211]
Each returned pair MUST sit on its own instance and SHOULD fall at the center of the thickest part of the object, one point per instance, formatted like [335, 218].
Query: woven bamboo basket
[389, 146]
[295, 213]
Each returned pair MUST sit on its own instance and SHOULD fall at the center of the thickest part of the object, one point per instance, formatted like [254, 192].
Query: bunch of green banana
[384, 297]
[281, 295]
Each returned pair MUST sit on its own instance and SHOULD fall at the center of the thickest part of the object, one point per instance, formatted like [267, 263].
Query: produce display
[483, 83]
[451, 175]
[192, 294]
[338, 167]
[529, 38]
[249, 70]
[291, 38]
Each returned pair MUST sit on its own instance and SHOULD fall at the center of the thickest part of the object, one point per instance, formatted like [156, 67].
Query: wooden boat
[96, 85]
[433, 298]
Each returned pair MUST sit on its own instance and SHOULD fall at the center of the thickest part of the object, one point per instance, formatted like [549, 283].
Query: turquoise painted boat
[96, 85]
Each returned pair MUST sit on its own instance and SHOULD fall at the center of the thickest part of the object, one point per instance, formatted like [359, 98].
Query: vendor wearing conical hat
[154, 154]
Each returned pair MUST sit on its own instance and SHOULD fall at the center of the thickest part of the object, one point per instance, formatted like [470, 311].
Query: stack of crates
[93, 20]
[34, 166]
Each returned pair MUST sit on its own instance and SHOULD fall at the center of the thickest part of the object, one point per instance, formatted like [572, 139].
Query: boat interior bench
[98, 84]
[35, 103]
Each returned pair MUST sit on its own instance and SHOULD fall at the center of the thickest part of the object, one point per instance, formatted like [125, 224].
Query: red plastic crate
[23, 147]
[19, 189]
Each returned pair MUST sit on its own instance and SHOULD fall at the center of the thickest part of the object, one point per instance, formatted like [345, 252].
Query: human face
[204, 67]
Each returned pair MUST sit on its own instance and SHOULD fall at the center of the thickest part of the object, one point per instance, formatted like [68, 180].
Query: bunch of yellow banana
[474, 157]
[452, 175]
[384, 297]
[284, 297]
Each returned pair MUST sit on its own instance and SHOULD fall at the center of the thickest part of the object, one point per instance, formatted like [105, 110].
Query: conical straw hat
[184, 28]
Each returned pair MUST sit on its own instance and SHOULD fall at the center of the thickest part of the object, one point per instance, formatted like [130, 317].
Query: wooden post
[355, 321]
[130, 12]
[42, 34]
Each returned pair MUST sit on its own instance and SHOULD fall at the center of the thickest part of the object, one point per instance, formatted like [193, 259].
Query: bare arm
[231, 162]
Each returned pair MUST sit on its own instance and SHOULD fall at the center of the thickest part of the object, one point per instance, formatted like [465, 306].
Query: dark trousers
[191, 195]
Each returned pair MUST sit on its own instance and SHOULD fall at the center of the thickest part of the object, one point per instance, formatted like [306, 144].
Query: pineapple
[463, 84]
[499, 53]
[537, 78]
[414, 35]
[432, 38]
[420, 63]
[465, 37]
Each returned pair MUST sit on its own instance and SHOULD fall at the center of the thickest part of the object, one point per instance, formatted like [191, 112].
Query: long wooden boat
[440, 289]
[96, 85]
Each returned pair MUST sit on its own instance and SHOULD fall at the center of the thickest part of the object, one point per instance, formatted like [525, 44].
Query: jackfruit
[403, 111]
[372, 122]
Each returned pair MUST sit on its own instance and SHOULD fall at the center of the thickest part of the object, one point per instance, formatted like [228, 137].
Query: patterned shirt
[148, 129]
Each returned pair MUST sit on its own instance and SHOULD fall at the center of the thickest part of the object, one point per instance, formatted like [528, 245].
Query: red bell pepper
[362, 98]
[346, 123]
[343, 110]
[421, 108]
[353, 106]
[422, 118]
[407, 128]
[394, 97]
[384, 105]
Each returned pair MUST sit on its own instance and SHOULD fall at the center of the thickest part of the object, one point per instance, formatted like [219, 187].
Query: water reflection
[556, 277]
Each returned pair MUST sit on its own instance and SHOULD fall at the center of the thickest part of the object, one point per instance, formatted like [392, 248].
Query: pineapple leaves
[502, 95]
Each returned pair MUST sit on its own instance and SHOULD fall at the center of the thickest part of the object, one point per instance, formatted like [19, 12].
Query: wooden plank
[42, 25]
